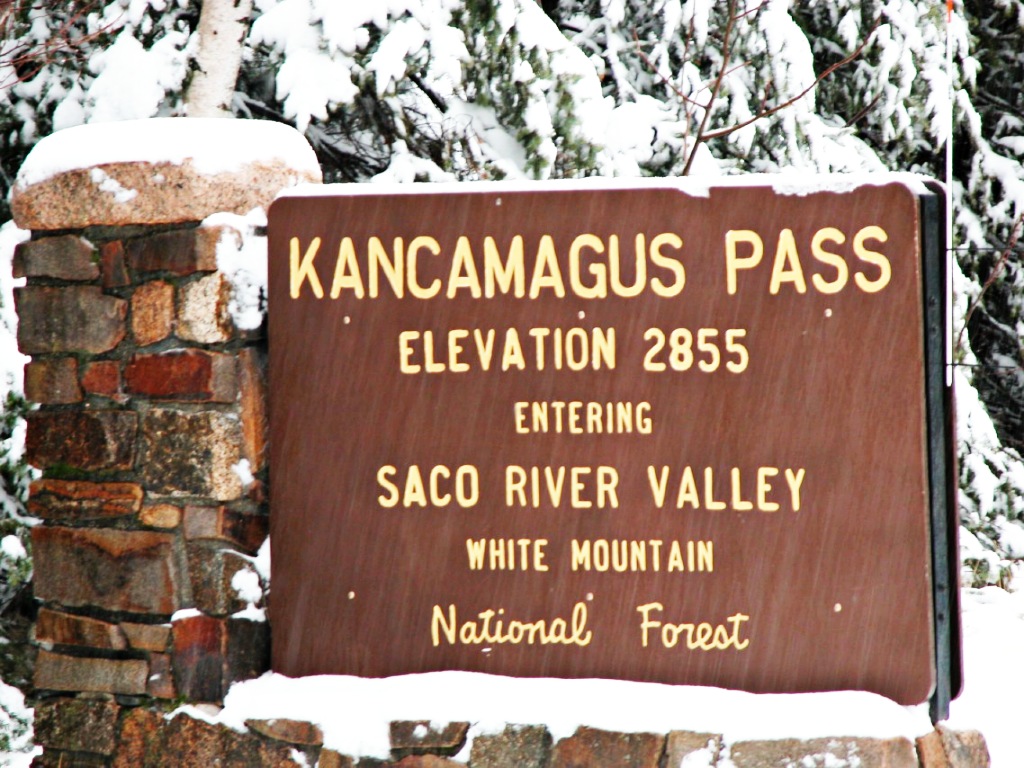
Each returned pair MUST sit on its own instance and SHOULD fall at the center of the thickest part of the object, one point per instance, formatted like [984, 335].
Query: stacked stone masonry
[150, 433]
[85, 732]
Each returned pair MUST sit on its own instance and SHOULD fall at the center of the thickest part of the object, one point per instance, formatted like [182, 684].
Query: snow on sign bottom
[652, 431]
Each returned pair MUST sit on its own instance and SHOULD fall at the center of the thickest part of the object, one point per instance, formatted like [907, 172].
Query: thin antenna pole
[950, 251]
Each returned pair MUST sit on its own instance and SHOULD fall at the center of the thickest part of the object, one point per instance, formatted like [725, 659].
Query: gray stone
[964, 749]
[191, 454]
[77, 725]
[67, 257]
[524, 746]
[824, 753]
[57, 672]
[203, 314]
[681, 744]
[73, 318]
[116, 570]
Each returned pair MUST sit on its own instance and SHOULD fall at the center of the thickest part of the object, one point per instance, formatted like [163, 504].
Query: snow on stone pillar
[141, 314]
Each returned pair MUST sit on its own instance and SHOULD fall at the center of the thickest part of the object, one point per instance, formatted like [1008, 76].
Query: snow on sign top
[795, 184]
[213, 145]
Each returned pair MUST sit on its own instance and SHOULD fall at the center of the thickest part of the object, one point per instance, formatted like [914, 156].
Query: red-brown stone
[56, 628]
[192, 743]
[593, 748]
[102, 377]
[253, 401]
[53, 381]
[80, 500]
[57, 672]
[147, 637]
[291, 731]
[427, 761]
[88, 440]
[420, 737]
[117, 570]
[65, 257]
[160, 515]
[331, 759]
[198, 661]
[194, 375]
[245, 531]
[112, 266]
[152, 312]
[75, 318]
[141, 740]
[177, 251]
[210, 654]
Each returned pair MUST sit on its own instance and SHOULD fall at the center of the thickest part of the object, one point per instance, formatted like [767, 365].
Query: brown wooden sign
[612, 432]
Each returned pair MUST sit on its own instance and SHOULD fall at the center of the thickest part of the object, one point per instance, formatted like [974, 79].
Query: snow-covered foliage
[15, 562]
[413, 90]
[15, 727]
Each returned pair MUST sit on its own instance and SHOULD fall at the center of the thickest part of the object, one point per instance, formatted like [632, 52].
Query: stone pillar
[150, 429]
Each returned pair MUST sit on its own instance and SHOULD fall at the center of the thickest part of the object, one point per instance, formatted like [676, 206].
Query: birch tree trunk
[222, 28]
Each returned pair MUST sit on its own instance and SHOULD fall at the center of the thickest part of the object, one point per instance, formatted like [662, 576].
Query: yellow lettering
[417, 290]
[346, 271]
[600, 287]
[463, 272]
[872, 257]
[658, 286]
[546, 273]
[733, 261]
[303, 270]
[834, 260]
[786, 268]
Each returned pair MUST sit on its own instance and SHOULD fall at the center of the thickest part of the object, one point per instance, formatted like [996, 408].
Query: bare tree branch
[791, 101]
[994, 275]
[726, 53]
[25, 59]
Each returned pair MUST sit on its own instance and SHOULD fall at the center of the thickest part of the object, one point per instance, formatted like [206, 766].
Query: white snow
[12, 705]
[993, 695]
[113, 186]
[12, 361]
[213, 146]
[242, 257]
[244, 471]
[795, 184]
[132, 81]
[354, 712]
[12, 547]
[247, 586]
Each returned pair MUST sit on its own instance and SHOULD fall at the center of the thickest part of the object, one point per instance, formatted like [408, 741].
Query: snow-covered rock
[91, 175]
